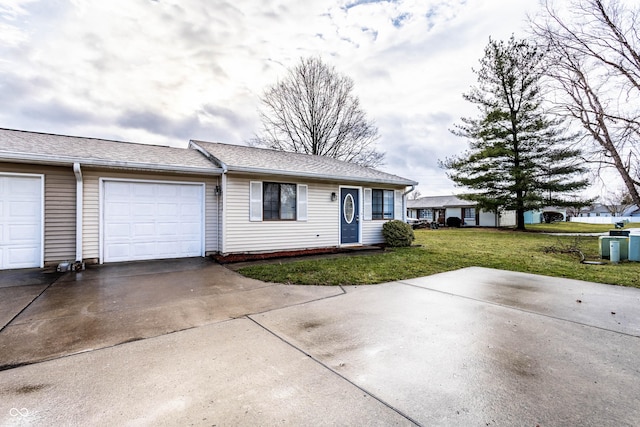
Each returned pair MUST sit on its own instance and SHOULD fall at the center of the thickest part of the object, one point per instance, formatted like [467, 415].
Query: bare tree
[415, 195]
[314, 111]
[593, 56]
[617, 202]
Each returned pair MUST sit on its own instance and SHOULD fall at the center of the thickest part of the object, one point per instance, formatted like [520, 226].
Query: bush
[397, 233]
[454, 221]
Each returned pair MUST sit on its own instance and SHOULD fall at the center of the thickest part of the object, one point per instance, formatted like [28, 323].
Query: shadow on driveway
[51, 315]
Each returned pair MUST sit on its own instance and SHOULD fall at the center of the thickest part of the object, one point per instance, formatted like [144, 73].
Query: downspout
[404, 202]
[79, 194]
[222, 216]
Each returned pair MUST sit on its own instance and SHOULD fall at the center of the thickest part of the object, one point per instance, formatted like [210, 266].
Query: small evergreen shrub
[454, 221]
[397, 233]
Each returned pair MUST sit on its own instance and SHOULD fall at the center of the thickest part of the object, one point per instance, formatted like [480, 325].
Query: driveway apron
[107, 305]
[476, 347]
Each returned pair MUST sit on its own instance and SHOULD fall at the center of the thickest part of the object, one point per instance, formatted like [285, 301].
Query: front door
[349, 216]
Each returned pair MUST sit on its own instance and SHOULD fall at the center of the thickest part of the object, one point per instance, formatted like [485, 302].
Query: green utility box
[634, 247]
[604, 246]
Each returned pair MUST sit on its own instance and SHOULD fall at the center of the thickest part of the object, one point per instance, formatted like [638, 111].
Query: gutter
[320, 176]
[79, 206]
[57, 160]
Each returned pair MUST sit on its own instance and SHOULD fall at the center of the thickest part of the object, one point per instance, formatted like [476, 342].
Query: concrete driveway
[475, 347]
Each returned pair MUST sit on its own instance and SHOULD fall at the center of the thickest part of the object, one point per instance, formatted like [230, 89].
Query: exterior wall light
[334, 196]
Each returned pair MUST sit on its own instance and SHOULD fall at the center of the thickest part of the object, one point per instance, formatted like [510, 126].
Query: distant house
[65, 198]
[439, 208]
[595, 210]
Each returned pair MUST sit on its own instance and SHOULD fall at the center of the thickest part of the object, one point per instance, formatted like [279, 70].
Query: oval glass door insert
[348, 209]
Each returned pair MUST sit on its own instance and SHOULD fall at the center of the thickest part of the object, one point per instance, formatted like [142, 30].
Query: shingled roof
[439, 202]
[34, 147]
[237, 158]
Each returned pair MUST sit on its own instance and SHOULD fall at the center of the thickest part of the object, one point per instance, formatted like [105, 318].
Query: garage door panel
[143, 209]
[168, 209]
[114, 230]
[24, 187]
[118, 251]
[161, 221]
[144, 191]
[21, 209]
[22, 257]
[24, 233]
[169, 229]
[119, 190]
[142, 230]
[113, 208]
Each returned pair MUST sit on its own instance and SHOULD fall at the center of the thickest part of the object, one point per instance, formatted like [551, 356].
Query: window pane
[470, 213]
[271, 201]
[388, 204]
[376, 204]
[287, 201]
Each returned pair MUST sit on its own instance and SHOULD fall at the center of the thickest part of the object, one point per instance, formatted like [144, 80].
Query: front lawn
[449, 249]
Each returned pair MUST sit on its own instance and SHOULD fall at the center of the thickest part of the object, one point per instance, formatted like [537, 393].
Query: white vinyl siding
[320, 229]
[91, 206]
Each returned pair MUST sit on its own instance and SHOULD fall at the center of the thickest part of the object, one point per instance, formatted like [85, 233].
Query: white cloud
[164, 71]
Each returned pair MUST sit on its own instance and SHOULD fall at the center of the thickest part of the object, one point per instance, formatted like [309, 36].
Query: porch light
[218, 190]
[334, 196]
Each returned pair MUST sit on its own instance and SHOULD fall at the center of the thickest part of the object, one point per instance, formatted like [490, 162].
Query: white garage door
[20, 221]
[145, 220]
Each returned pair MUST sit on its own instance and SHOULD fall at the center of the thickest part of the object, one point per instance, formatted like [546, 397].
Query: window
[278, 201]
[382, 204]
[426, 214]
[469, 213]
[273, 201]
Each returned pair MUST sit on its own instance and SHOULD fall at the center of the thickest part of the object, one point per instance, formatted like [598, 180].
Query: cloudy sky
[166, 71]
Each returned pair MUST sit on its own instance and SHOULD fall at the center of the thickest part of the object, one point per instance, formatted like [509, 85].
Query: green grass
[576, 227]
[450, 249]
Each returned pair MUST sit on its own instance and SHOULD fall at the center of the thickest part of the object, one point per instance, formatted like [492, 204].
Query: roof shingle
[58, 149]
[260, 160]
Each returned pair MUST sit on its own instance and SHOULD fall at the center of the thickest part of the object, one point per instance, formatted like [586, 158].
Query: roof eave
[318, 176]
[69, 161]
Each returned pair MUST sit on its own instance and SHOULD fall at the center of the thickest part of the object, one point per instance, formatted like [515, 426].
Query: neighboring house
[439, 208]
[66, 198]
[595, 210]
[633, 211]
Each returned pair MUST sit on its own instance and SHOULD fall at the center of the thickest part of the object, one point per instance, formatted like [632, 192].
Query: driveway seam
[368, 393]
[519, 309]
[30, 302]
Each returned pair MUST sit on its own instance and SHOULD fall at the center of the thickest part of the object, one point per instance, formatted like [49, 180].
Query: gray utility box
[604, 246]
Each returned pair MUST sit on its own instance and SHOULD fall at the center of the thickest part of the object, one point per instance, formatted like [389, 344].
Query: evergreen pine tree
[519, 157]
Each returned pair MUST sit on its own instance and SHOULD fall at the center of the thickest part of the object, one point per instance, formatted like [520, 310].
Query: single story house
[439, 208]
[65, 198]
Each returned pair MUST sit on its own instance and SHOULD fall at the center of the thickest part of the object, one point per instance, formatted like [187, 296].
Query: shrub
[397, 233]
[454, 221]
